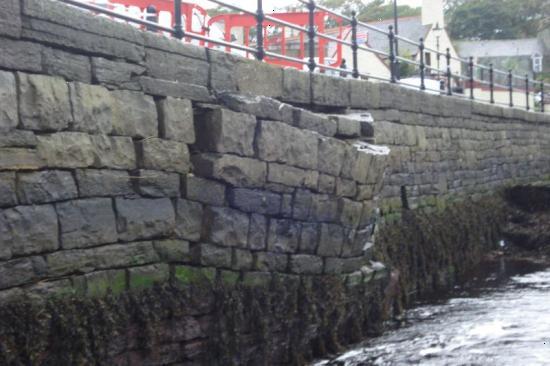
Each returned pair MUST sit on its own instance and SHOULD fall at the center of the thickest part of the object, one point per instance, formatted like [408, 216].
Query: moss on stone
[186, 275]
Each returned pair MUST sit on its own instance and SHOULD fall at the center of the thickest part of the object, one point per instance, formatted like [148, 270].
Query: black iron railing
[509, 84]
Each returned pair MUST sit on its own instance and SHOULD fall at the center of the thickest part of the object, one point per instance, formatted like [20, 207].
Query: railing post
[527, 92]
[422, 65]
[311, 35]
[178, 27]
[542, 96]
[391, 37]
[260, 51]
[511, 87]
[471, 69]
[491, 83]
[448, 57]
[354, 44]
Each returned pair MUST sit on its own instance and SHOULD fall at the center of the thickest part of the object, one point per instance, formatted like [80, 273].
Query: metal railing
[510, 82]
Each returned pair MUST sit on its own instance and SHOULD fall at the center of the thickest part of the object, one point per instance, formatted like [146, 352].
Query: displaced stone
[87, 222]
[18, 138]
[235, 170]
[134, 114]
[242, 259]
[279, 142]
[212, 255]
[9, 118]
[92, 108]
[157, 154]
[20, 56]
[225, 226]
[306, 264]
[147, 276]
[331, 240]
[331, 156]
[20, 271]
[347, 127]
[255, 201]
[28, 230]
[204, 190]
[45, 186]
[173, 250]
[67, 150]
[67, 65]
[225, 131]
[115, 74]
[284, 236]
[309, 238]
[188, 219]
[356, 165]
[307, 120]
[291, 176]
[7, 189]
[259, 106]
[43, 103]
[176, 120]
[271, 262]
[257, 235]
[144, 218]
[154, 183]
[101, 182]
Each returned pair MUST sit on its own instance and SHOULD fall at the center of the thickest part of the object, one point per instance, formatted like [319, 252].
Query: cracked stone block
[188, 219]
[227, 227]
[331, 156]
[45, 186]
[176, 120]
[307, 120]
[67, 65]
[115, 74]
[92, 108]
[144, 218]
[87, 222]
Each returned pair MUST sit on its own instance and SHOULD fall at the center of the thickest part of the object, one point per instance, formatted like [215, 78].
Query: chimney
[432, 13]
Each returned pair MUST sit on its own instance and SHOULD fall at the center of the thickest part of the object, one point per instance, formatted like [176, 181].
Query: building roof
[500, 48]
[408, 27]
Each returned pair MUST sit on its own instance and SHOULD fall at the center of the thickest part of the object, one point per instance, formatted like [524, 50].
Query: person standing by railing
[343, 66]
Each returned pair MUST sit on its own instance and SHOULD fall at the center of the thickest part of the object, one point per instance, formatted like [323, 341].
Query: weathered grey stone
[307, 120]
[291, 176]
[92, 108]
[271, 262]
[212, 255]
[157, 154]
[327, 184]
[173, 250]
[144, 218]
[10, 18]
[235, 170]
[296, 86]
[43, 102]
[331, 156]
[87, 222]
[116, 152]
[259, 106]
[225, 131]
[346, 187]
[222, 70]
[168, 66]
[323, 208]
[204, 190]
[45, 186]
[256, 279]
[188, 220]
[284, 236]
[347, 127]
[20, 271]
[115, 74]
[18, 138]
[134, 114]
[257, 235]
[160, 42]
[364, 192]
[255, 201]
[306, 264]
[20, 56]
[331, 240]
[242, 260]
[28, 230]
[67, 65]
[9, 118]
[19, 159]
[259, 78]
[7, 189]
[175, 89]
[350, 212]
[176, 120]
[100, 283]
[146, 276]
[286, 206]
[97, 183]
[279, 142]
[301, 204]
[334, 266]
[309, 238]
[153, 183]
[330, 90]
[356, 165]
[226, 227]
[67, 150]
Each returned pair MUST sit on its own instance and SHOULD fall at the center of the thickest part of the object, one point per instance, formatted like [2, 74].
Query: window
[428, 57]
[537, 63]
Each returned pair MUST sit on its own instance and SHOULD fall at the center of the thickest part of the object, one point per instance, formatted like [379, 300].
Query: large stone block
[28, 230]
[225, 131]
[350, 212]
[116, 74]
[7, 189]
[67, 150]
[9, 115]
[235, 170]
[176, 120]
[309, 238]
[279, 142]
[173, 250]
[102, 182]
[146, 276]
[44, 103]
[144, 218]
[257, 235]
[259, 106]
[115, 152]
[18, 138]
[211, 255]
[21, 271]
[20, 56]
[330, 90]
[291, 176]
[347, 127]
[284, 236]
[243, 260]
[157, 154]
[66, 65]
[188, 220]
[87, 222]
[255, 201]
[324, 208]
[306, 264]
[20, 159]
[331, 156]
[271, 262]
[134, 114]
[226, 227]
[222, 70]
[296, 86]
[307, 120]
[356, 165]
[259, 78]
[10, 18]
[153, 183]
[168, 66]
[204, 190]
[331, 240]
[45, 186]
[176, 89]
[92, 108]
